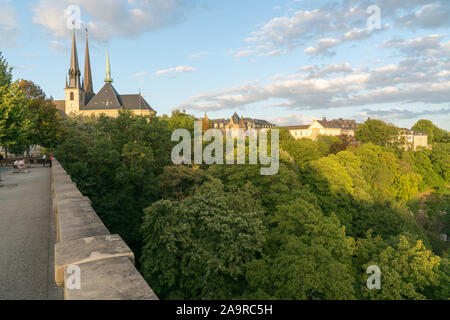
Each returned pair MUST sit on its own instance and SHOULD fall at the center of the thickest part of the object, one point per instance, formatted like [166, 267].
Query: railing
[90, 263]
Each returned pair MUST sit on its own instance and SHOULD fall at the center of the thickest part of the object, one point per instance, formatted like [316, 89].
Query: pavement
[27, 236]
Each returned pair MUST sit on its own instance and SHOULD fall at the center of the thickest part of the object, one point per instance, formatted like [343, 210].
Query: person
[16, 164]
[51, 159]
[44, 159]
[1, 159]
[22, 166]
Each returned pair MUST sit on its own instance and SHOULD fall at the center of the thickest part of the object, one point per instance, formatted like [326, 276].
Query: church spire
[74, 71]
[87, 82]
[108, 78]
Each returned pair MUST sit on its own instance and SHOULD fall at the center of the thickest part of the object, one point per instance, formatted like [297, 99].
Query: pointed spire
[67, 84]
[108, 78]
[74, 71]
[87, 82]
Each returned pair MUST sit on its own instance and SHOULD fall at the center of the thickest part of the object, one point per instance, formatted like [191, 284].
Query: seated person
[16, 164]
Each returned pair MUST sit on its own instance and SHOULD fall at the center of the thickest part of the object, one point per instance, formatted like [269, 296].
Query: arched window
[72, 97]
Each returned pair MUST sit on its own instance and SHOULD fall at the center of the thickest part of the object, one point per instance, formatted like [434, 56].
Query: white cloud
[429, 45]
[198, 55]
[178, 69]
[291, 120]
[430, 16]
[110, 18]
[139, 75]
[412, 80]
[322, 47]
[9, 27]
[58, 46]
[343, 21]
[401, 113]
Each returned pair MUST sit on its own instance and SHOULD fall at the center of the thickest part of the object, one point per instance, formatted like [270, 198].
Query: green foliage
[306, 257]
[377, 132]
[45, 128]
[422, 165]
[15, 121]
[407, 268]
[435, 134]
[198, 248]
[115, 162]
[226, 232]
[5, 73]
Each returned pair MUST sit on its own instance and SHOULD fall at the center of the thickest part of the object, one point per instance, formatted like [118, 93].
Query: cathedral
[81, 98]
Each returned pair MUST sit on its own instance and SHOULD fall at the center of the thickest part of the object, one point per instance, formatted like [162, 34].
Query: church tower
[75, 97]
[87, 82]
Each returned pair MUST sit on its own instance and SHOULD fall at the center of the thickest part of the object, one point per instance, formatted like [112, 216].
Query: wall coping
[104, 261]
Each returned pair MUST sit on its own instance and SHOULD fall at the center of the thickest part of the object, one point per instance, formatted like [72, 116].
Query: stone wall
[85, 247]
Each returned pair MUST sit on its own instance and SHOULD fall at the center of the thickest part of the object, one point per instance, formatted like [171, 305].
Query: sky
[288, 62]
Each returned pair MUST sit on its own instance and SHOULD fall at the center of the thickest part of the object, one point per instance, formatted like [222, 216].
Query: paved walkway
[27, 236]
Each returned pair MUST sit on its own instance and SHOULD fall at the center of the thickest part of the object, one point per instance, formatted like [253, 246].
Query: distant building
[324, 127]
[413, 140]
[80, 96]
[236, 123]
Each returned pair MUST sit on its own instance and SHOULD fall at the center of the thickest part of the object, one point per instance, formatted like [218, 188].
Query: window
[72, 96]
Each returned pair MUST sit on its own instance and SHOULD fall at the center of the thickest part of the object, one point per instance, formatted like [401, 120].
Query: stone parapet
[104, 261]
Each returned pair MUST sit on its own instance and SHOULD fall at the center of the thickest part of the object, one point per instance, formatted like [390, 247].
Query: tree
[434, 133]
[14, 118]
[198, 248]
[376, 131]
[407, 268]
[306, 256]
[45, 127]
[5, 72]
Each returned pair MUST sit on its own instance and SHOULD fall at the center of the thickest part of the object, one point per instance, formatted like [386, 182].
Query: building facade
[413, 140]
[80, 97]
[324, 127]
[238, 124]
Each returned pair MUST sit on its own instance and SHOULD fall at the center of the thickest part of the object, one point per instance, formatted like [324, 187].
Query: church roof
[108, 98]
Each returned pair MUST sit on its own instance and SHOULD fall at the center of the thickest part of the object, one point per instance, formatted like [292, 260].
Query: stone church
[81, 98]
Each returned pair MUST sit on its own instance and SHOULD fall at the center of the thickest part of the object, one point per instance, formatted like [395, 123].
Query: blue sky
[284, 61]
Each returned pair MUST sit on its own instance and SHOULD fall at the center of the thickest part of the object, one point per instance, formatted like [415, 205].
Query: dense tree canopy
[225, 231]
[377, 132]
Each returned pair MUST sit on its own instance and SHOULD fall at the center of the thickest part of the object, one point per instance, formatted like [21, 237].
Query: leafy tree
[115, 162]
[434, 133]
[306, 256]
[376, 132]
[45, 128]
[5, 72]
[14, 118]
[198, 248]
[180, 120]
[407, 269]
[421, 162]
[440, 159]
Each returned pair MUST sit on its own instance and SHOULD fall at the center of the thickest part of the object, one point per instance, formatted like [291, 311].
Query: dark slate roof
[258, 122]
[339, 124]
[301, 127]
[235, 118]
[108, 98]
[134, 102]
